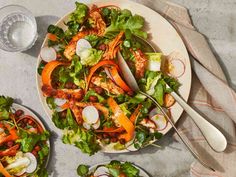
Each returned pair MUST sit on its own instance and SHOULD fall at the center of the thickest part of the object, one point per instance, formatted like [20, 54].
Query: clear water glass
[18, 28]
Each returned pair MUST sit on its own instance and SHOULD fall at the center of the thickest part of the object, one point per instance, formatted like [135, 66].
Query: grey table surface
[216, 19]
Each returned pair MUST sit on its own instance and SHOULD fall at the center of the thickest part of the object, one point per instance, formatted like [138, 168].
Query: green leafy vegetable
[93, 93]
[159, 93]
[154, 56]
[62, 123]
[5, 104]
[93, 39]
[29, 140]
[84, 140]
[80, 13]
[124, 20]
[40, 67]
[43, 153]
[90, 57]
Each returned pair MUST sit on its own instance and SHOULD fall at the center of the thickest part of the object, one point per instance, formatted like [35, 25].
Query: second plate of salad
[81, 85]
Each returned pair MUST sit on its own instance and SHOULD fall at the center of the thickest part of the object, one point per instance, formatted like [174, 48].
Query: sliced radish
[21, 172]
[176, 67]
[1, 130]
[101, 172]
[33, 162]
[81, 45]
[90, 114]
[160, 121]
[154, 65]
[96, 125]
[156, 111]
[86, 125]
[48, 54]
[24, 161]
[59, 102]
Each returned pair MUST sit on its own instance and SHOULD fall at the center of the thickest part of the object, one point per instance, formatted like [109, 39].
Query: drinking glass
[18, 28]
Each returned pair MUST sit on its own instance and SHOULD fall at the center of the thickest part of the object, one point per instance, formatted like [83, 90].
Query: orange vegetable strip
[122, 119]
[48, 69]
[12, 137]
[135, 114]
[4, 171]
[111, 130]
[118, 80]
[52, 37]
[96, 67]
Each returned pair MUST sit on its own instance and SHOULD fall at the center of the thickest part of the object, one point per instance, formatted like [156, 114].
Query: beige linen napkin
[210, 94]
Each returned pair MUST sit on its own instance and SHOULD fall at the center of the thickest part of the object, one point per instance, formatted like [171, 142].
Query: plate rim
[42, 99]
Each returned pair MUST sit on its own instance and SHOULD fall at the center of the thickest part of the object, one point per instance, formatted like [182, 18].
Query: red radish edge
[164, 126]
[181, 73]
[53, 58]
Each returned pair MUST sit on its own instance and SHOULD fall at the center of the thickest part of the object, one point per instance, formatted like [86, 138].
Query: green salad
[113, 169]
[23, 143]
[85, 89]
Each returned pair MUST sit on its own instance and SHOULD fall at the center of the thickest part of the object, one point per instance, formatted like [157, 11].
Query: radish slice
[176, 67]
[90, 114]
[154, 65]
[1, 130]
[48, 54]
[160, 121]
[156, 111]
[33, 162]
[21, 172]
[24, 161]
[59, 102]
[101, 172]
[81, 45]
[86, 125]
[96, 125]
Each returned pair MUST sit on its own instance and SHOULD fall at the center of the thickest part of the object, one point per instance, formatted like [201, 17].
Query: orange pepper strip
[133, 118]
[118, 80]
[96, 67]
[10, 151]
[52, 37]
[4, 171]
[135, 114]
[11, 137]
[40, 128]
[48, 69]
[122, 119]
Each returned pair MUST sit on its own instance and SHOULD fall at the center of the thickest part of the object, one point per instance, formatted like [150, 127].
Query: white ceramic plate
[142, 172]
[16, 106]
[161, 34]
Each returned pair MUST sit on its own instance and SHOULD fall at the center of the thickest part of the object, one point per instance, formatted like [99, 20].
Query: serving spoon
[214, 137]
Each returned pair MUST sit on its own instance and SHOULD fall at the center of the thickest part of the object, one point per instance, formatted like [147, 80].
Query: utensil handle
[214, 137]
[176, 130]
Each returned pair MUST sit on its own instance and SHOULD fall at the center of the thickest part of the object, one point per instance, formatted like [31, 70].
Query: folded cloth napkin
[210, 94]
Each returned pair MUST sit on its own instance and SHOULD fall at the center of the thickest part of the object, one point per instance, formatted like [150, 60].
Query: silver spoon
[131, 81]
[213, 136]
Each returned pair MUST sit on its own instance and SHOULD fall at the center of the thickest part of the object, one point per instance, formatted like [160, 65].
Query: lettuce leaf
[90, 57]
[84, 140]
[5, 105]
[80, 13]
[124, 20]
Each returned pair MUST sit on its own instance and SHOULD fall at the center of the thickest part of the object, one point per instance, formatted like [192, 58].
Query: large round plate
[162, 34]
[16, 106]
[142, 172]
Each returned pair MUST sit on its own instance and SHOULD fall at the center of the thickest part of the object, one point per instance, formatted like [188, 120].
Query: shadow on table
[42, 24]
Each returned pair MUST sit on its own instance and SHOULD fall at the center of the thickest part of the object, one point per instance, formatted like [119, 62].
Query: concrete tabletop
[216, 19]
